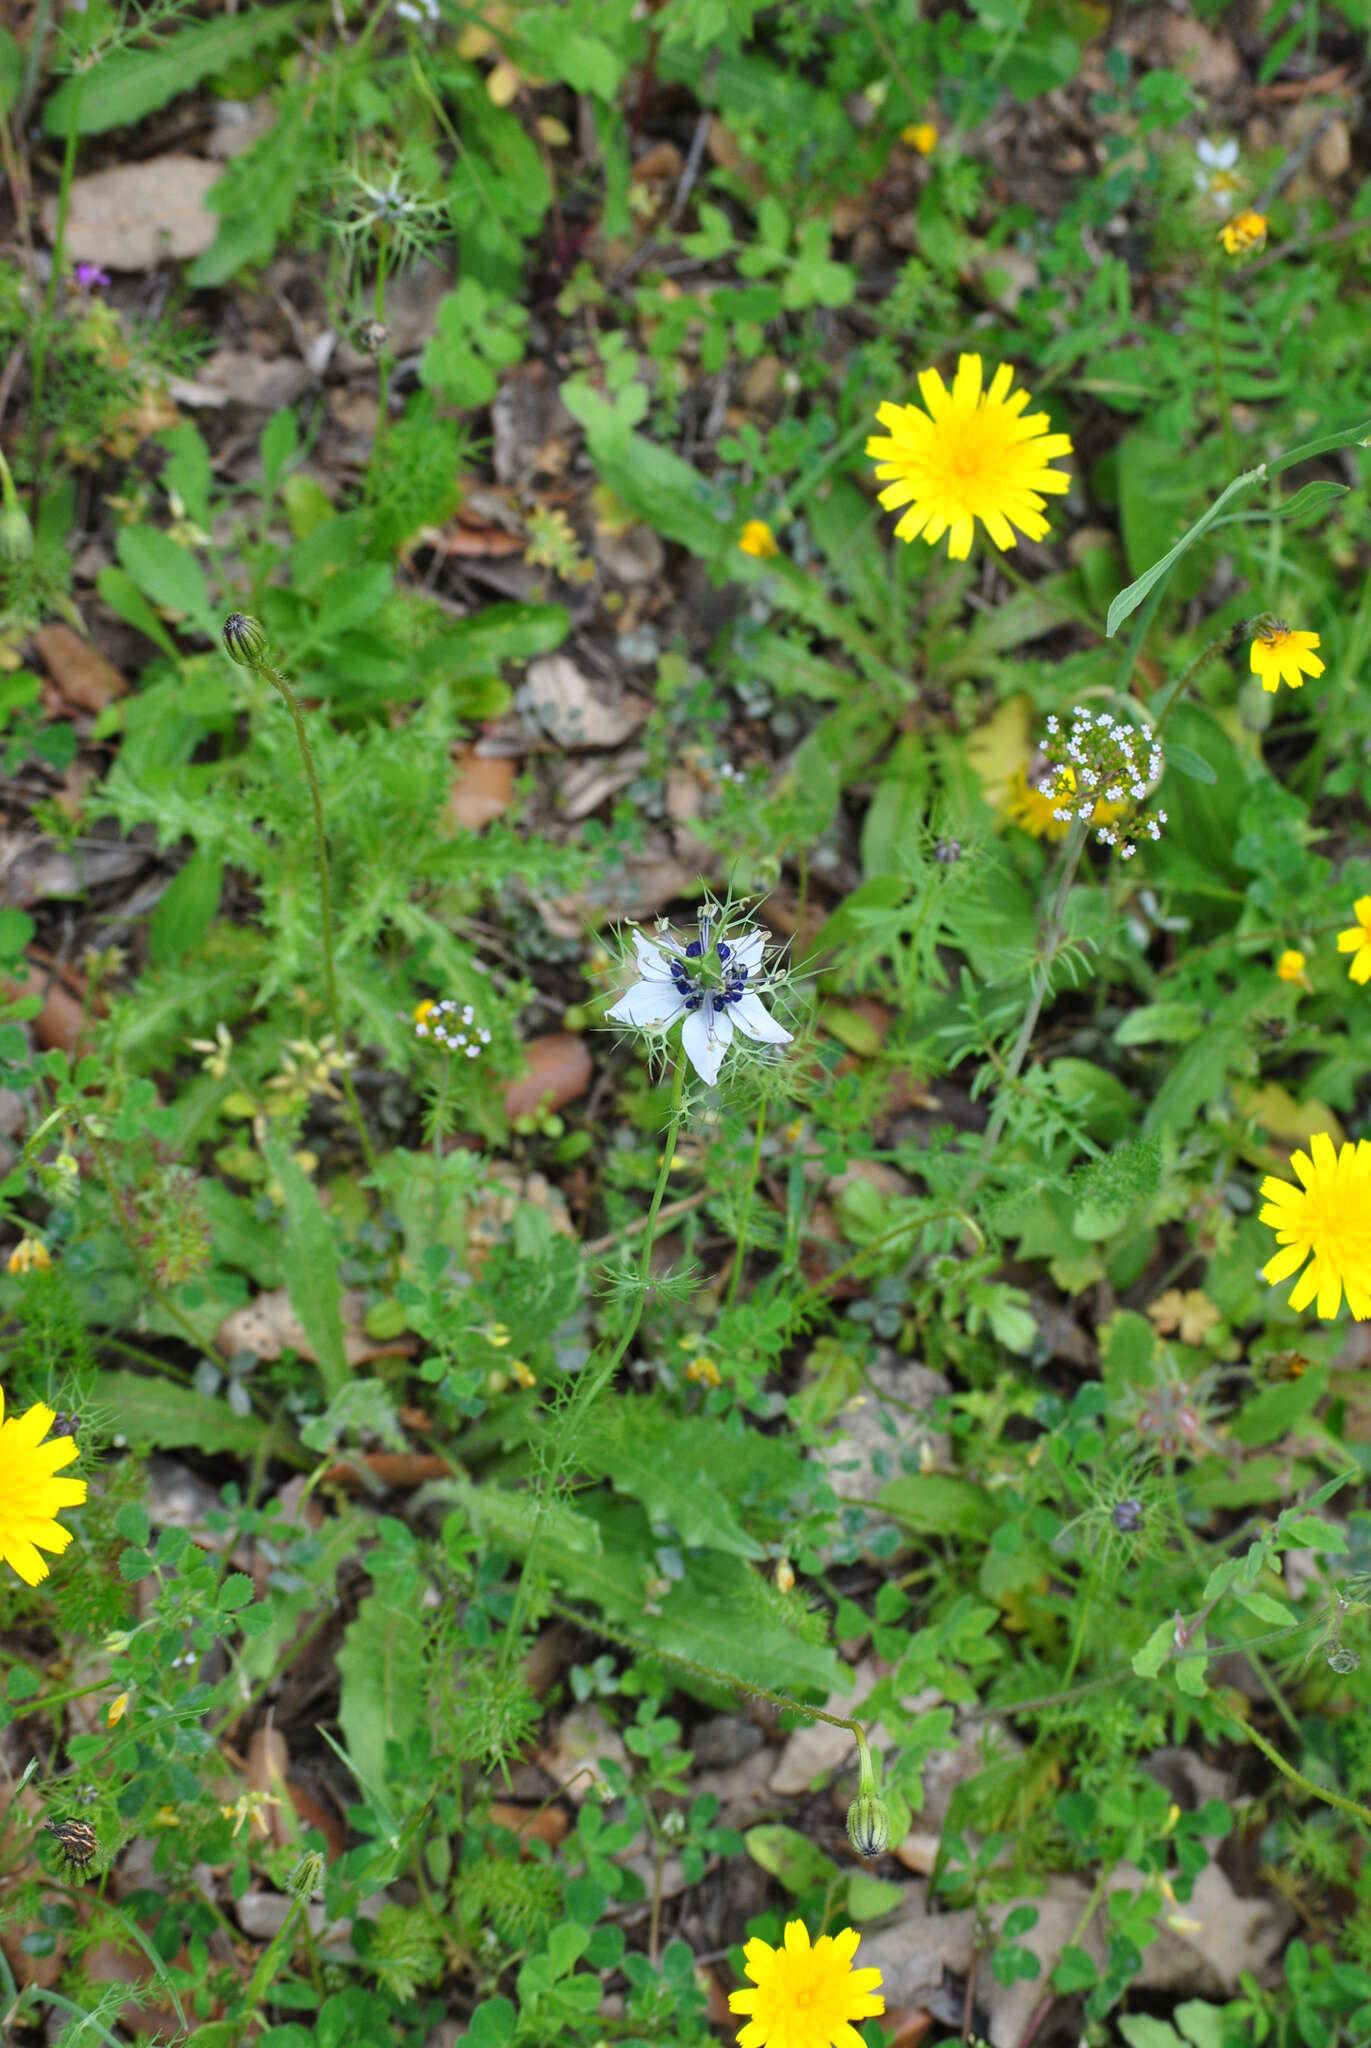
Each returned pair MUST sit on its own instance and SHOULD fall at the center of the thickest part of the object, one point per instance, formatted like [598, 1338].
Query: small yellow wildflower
[920, 135]
[523, 1373]
[31, 1494]
[806, 1997]
[249, 1810]
[1356, 940]
[758, 540]
[422, 1010]
[29, 1254]
[1279, 654]
[1244, 233]
[972, 455]
[1327, 1220]
[785, 1575]
[1290, 966]
[496, 1334]
[117, 1711]
[217, 1050]
[704, 1372]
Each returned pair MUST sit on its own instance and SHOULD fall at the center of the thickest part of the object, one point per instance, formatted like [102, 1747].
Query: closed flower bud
[306, 1880]
[16, 535]
[245, 639]
[868, 1825]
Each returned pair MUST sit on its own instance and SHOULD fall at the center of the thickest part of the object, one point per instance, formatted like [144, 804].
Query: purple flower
[91, 278]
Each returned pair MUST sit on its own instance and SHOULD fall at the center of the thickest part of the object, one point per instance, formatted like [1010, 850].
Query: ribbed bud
[868, 1825]
[16, 535]
[306, 1881]
[245, 639]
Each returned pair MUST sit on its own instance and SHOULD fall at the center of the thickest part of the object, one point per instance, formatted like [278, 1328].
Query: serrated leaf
[159, 1412]
[129, 83]
[309, 1263]
[381, 1663]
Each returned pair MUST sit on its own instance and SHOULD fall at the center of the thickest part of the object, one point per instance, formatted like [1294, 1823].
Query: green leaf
[492, 2024]
[1311, 499]
[154, 1411]
[1141, 2032]
[871, 1898]
[1187, 762]
[167, 574]
[498, 633]
[127, 601]
[235, 1592]
[1074, 1972]
[1269, 1414]
[1273, 1612]
[381, 1664]
[309, 1261]
[662, 490]
[790, 1857]
[187, 909]
[16, 932]
[1310, 1532]
[939, 1504]
[129, 83]
[132, 1523]
[1127, 601]
[1148, 1661]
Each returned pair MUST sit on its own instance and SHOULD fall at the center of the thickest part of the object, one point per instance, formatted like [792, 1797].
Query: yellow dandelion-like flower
[1356, 940]
[758, 540]
[1034, 810]
[806, 1997]
[1290, 966]
[972, 455]
[1244, 233]
[1327, 1220]
[920, 135]
[1279, 654]
[29, 1255]
[31, 1494]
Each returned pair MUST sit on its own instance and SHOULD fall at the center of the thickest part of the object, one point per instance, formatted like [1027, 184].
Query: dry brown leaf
[559, 1070]
[82, 677]
[482, 786]
[539, 1823]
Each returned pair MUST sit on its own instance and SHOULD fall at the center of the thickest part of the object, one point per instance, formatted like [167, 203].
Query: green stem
[266, 1969]
[593, 1384]
[746, 1207]
[1287, 1770]
[1049, 944]
[43, 330]
[1230, 445]
[292, 703]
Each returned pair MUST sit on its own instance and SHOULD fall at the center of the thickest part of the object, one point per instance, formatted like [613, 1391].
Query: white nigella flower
[712, 983]
[1215, 172]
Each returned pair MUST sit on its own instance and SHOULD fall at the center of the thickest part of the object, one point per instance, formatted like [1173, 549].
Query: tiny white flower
[1215, 173]
[670, 986]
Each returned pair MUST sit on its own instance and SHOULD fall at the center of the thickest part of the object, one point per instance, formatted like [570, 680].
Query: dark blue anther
[694, 950]
[725, 952]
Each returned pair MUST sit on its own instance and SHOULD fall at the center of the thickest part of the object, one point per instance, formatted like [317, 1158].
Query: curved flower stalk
[712, 984]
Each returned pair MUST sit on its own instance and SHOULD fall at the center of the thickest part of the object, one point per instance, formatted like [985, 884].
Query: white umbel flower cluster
[453, 1026]
[714, 984]
[1101, 771]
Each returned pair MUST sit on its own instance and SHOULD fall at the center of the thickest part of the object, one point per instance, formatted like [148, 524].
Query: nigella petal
[705, 1037]
[754, 1020]
[651, 1005]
